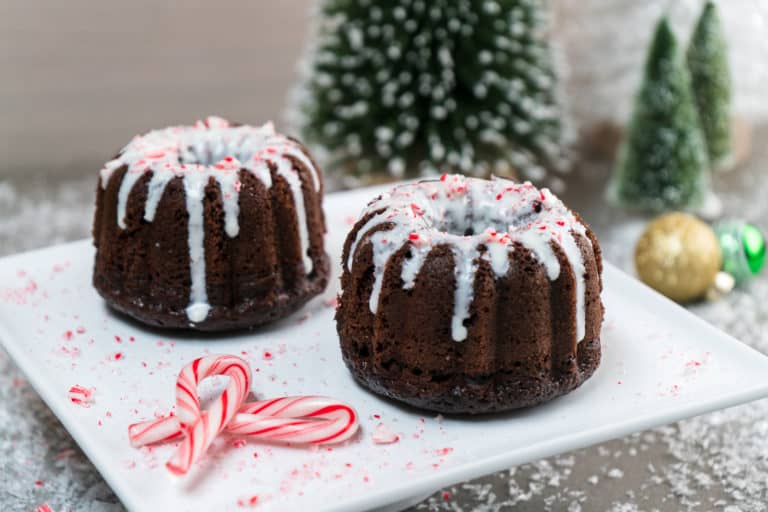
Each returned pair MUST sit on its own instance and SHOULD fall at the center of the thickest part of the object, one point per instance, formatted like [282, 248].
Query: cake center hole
[465, 222]
[208, 149]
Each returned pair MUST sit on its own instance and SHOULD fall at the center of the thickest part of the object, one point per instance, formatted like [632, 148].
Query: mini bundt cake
[463, 295]
[213, 226]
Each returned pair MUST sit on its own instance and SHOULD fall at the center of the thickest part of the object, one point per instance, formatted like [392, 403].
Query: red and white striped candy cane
[201, 427]
[296, 419]
[301, 420]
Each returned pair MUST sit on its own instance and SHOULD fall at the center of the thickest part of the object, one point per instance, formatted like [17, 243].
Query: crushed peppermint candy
[382, 434]
[81, 395]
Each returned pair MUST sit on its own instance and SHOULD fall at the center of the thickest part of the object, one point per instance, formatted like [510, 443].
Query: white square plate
[660, 364]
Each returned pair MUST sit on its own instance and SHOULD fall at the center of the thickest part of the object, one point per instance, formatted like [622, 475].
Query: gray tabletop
[718, 461]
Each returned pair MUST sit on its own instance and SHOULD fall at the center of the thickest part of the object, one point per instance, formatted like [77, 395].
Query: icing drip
[129, 180]
[229, 184]
[464, 254]
[194, 189]
[573, 253]
[465, 214]
[383, 248]
[210, 150]
[498, 256]
[412, 266]
[286, 170]
[155, 190]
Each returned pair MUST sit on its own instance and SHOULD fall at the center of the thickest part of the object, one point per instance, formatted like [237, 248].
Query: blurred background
[81, 77]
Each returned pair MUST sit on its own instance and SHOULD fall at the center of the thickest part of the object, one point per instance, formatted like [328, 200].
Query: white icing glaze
[194, 190]
[210, 149]
[464, 214]
[465, 253]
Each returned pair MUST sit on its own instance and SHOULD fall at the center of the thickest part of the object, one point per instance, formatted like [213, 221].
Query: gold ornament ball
[678, 255]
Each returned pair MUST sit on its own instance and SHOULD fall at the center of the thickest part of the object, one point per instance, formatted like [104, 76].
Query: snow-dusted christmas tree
[711, 82]
[402, 88]
[604, 43]
[663, 162]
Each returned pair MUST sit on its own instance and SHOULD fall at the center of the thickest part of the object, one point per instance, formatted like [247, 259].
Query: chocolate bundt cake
[212, 226]
[463, 295]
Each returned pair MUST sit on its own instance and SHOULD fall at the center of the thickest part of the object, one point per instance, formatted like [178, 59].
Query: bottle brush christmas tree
[413, 87]
[710, 79]
[662, 163]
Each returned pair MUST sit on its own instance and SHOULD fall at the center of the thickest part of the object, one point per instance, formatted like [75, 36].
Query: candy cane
[301, 420]
[200, 428]
[296, 419]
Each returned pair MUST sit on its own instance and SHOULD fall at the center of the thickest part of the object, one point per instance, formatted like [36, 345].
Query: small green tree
[711, 82]
[415, 87]
[662, 163]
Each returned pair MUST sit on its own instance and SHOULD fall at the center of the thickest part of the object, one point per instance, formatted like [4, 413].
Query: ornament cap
[722, 285]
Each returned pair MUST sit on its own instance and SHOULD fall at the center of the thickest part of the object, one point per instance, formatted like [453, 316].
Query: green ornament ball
[743, 248]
